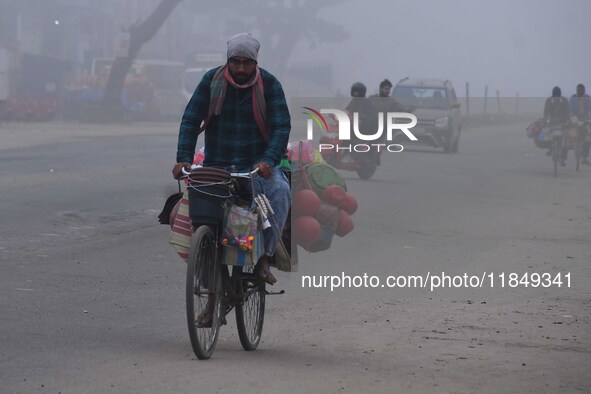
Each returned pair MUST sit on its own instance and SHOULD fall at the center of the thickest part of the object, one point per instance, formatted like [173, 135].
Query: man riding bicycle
[242, 109]
[580, 108]
[557, 114]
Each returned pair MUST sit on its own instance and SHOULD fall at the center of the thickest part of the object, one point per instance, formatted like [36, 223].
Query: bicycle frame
[557, 136]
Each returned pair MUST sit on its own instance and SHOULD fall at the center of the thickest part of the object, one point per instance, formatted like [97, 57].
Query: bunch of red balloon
[313, 214]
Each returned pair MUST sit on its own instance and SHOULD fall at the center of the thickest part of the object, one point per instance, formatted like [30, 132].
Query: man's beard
[241, 78]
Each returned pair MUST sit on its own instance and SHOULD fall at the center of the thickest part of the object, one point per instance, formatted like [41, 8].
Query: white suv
[437, 111]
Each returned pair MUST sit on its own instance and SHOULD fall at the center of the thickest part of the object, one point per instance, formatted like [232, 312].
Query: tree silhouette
[281, 24]
[139, 35]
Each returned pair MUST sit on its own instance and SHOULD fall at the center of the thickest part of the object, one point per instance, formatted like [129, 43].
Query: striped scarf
[218, 87]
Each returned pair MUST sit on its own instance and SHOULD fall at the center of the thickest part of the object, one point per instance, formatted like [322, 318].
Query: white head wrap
[243, 44]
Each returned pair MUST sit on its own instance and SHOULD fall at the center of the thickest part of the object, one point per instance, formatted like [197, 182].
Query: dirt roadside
[14, 135]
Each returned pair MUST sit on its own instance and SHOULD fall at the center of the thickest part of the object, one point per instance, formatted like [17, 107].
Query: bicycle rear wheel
[203, 292]
[556, 154]
[250, 312]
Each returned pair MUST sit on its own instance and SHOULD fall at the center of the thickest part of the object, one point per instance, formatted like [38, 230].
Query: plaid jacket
[233, 138]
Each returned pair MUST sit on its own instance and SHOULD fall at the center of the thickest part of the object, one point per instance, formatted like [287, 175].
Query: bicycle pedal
[223, 321]
[267, 292]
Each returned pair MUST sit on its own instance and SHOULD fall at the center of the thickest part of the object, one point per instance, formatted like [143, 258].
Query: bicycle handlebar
[232, 174]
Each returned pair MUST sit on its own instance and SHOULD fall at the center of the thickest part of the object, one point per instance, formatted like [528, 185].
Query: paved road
[92, 298]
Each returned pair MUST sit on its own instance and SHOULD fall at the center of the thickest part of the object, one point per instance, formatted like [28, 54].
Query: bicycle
[578, 135]
[211, 290]
[557, 141]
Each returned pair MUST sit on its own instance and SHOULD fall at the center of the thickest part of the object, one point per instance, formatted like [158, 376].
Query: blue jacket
[581, 112]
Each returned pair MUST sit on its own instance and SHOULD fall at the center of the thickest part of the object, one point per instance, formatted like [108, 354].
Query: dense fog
[63, 49]
[526, 46]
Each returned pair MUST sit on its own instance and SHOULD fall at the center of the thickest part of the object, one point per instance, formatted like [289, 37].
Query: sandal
[268, 277]
[204, 319]
[263, 271]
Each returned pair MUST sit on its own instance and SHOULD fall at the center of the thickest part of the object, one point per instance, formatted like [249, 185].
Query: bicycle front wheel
[203, 293]
[578, 148]
[250, 312]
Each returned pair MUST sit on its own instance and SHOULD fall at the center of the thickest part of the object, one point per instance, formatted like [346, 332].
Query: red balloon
[306, 230]
[334, 195]
[306, 203]
[349, 204]
[345, 225]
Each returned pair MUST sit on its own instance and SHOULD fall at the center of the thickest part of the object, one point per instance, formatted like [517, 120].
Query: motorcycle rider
[359, 105]
[383, 102]
[580, 108]
[385, 88]
[557, 114]
[358, 91]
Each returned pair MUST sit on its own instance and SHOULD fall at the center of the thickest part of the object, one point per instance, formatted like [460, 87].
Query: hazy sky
[527, 46]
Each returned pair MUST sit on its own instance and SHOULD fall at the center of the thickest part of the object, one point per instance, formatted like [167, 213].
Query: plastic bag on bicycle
[242, 237]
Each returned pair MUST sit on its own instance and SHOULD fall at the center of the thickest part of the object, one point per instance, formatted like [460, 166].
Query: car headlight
[442, 123]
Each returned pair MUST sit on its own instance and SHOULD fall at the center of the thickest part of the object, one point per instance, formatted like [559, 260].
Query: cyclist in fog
[244, 114]
[580, 108]
[557, 114]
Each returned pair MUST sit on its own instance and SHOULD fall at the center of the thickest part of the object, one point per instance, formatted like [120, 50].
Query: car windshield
[421, 97]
